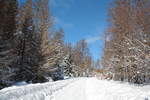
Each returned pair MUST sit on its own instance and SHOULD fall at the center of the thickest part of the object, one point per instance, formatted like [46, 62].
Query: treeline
[127, 46]
[30, 48]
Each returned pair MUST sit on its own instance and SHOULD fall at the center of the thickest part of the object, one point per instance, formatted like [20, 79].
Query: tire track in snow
[74, 91]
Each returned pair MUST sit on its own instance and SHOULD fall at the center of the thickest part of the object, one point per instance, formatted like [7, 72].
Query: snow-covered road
[94, 89]
[77, 89]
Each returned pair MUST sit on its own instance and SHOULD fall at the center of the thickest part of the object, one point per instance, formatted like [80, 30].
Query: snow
[49, 79]
[33, 91]
[77, 89]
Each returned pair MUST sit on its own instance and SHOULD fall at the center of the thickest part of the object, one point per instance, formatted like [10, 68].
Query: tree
[126, 51]
[57, 53]
[56, 47]
[43, 23]
[42, 26]
[27, 45]
[8, 11]
[81, 58]
[67, 61]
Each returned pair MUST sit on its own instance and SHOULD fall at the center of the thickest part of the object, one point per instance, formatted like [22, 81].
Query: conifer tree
[8, 11]
[27, 48]
[43, 25]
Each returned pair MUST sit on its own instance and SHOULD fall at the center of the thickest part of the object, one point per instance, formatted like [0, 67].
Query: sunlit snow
[77, 89]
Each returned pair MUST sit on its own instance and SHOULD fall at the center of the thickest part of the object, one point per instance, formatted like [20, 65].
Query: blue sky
[82, 19]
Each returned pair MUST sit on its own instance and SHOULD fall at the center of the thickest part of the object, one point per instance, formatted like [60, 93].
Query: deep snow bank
[34, 91]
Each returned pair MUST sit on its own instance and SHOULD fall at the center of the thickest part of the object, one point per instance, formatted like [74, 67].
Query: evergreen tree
[27, 48]
[67, 61]
[57, 54]
[43, 24]
[67, 66]
[8, 11]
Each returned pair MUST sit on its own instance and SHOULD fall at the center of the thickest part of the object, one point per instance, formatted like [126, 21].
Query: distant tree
[81, 58]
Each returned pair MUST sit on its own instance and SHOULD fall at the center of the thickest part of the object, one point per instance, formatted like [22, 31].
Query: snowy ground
[77, 89]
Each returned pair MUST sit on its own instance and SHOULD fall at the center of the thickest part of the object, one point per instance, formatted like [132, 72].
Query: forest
[127, 42]
[31, 49]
